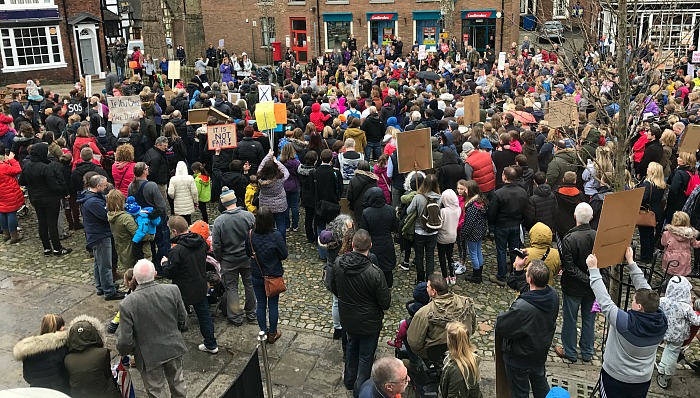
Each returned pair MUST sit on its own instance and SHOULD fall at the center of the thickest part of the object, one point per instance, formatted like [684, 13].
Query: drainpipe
[318, 28]
[70, 42]
[104, 39]
[503, 17]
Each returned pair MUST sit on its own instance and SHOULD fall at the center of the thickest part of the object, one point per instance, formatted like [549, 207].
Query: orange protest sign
[281, 113]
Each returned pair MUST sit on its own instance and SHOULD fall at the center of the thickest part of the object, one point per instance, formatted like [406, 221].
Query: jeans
[120, 74]
[373, 148]
[309, 224]
[281, 220]
[507, 238]
[359, 359]
[521, 379]
[667, 365]
[161, 244]
[206, 326]
[229, 275]
[475, 254]
[293, 206]
[47, 218]
[335, 314]
[8, 221]
[445, 256]
[102, 267]
[263, 303]
[424, 245]
[322, 253]
[646, 242]
[570, 308]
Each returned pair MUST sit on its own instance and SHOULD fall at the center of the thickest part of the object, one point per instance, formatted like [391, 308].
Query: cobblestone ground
[306, 304]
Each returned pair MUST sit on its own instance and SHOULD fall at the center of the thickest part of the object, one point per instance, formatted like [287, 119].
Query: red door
[299, 42]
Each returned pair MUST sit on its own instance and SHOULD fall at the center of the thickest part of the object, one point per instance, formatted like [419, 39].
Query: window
[561, 9]
[31, 48]
[337, 33]
[337, 2]
[24, 3]
[267, 28]
[296, 2]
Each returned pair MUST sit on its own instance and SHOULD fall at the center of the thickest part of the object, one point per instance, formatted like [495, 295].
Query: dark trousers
[47, 217]
[73, 211]
[521, 379]
[359, 359]
[389, 276]
[203, 210]
[161, 244]
[507, 238]
[425, 246]
[206, 326]
[188, 218]
[610, 387]
[445, 256]
[646, 242]
[309, 224]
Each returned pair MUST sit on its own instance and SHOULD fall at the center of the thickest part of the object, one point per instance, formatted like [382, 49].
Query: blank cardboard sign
[414, 150]
[690, 140]
[563, 113]
[472, 112]
[616, 226]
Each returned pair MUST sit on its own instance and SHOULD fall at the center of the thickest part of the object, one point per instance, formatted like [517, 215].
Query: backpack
[431, 219]
[354, 114]
[692, 183]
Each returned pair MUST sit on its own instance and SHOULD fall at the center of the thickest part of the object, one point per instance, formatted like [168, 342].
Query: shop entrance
[481, 32]
[299, 43]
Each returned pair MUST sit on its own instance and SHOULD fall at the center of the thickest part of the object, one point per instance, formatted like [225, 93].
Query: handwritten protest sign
[616, 227]
[472, 113]
[265, 115]
[264, 93]
[124, 109]
[221, 135]
[563, 113]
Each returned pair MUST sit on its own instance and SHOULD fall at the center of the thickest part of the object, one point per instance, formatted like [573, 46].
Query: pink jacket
[383, 182]
[462, 202]
[679, 241]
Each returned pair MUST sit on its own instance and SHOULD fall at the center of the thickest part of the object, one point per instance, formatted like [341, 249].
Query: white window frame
[265, 31]
[325, 33]
[559, 6]
[27, 4]
[23, 68]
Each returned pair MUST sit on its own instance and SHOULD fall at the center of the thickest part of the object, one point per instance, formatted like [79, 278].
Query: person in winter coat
[42, 356]
[123, 227]
[249, 150]
[679, 184]
[654, 188]
[379, 219]
[226, 70]
[483, 169]
[11, 196]
[460, 373]
[474, 227]
[317, 117]
[568, 197]
[363, 180]
[307, 194]
[541, 248]
[653, 152]
[678, 240]
[447, 235]
[81, 168]
[503, 157]
[233, 175]
[451, 171]
[183, 191]
[185, 265]
[267, 248]
[203, 183]
[542, 205]
[292, 186]
[82, 138]
[271, 178]
[589, 144]
[45, 192]
[88, 362]
[681, 315]
[158, 168]
[354, 132]
[564, 160]
[146, 225]
[424, 242]
[372, 126]
[383, 180]
[123, 168]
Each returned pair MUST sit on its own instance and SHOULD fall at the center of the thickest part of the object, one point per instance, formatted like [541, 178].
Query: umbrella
[428, 75]
[523, 117]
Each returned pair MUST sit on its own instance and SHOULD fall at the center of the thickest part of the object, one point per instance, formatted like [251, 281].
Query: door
[87, 58]
[299, 42]
[381, 32]
[481, 32]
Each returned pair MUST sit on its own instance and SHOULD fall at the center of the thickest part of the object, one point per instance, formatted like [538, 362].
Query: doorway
[382, 32]
[299, 39]
[481, 32]
[87, 55]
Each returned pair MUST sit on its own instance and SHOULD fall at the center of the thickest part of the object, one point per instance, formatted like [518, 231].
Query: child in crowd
[447, 235]
[203, 182]
[130, 282]
[475, 227]
[384, 182]
[146, 227]
[678, 241]
[201, 228]
[678, 307]
[420, 298]
[251, 194]
[459, 265]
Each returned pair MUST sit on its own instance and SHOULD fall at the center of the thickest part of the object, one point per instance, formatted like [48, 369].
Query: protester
[182, 189]
[460, 374]
[379, 220]
[11, 196]
[425, 237]
[389, 378]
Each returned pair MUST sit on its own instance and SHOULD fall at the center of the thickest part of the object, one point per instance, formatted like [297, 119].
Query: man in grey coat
[151, 321]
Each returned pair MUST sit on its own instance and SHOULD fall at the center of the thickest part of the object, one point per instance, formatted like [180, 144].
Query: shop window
[267, 29]
[560, 9]
[337, 33]
[31, 48]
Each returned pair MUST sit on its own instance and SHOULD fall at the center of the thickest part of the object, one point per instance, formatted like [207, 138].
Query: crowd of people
[135, 195]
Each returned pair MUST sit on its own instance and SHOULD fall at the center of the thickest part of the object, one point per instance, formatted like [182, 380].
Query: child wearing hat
[251, 195]
[146, 230]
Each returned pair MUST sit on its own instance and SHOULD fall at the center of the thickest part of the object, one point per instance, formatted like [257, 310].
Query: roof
[110, 16]
[83, 17]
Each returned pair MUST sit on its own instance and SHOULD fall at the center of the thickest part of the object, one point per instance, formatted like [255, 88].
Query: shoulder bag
[274, 285]
[646, 217]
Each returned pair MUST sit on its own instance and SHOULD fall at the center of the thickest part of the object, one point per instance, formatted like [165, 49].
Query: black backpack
[431, 219]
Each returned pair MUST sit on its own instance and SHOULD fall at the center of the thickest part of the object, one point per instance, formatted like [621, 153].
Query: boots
[476, 276]
[6, 236]
[15, 237]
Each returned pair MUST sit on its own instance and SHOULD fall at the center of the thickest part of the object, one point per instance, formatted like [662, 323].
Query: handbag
[325, 210]
[274, 285]
[646, 217]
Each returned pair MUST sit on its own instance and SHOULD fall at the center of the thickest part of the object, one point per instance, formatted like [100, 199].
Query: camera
[518, 253]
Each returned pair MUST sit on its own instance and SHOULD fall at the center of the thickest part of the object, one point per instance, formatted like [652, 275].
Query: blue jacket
[225, 73]
[146, 226]
[94, 209]
[270, 250]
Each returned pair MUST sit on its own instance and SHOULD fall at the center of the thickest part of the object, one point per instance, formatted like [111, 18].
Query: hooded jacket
[359, 184]
[541, 207]
[633, 337]
[88, 363]
[124, 227]
[379, 219]
[590, 144]
[451, 171]
[158, 169]
[317, 117]
[527, 328]
[541, 243]
[678, 243]
[38, 176]
[450, 213]
[272, 192]
[678, 310]
[42, 359]
[94, 209]
[82, 168]
[358, 135]
[564, 160]
[11, 196]
[568, 197]
[307, 194]
[228, 237]
[183, 190]
[372, 126]
[362, 293]
[427, 328]
[186, 266]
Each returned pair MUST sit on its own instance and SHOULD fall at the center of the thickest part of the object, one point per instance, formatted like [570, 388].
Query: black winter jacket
[359, 184]
[568, 197]
[575, 247]
[653, 152]
[541, 207]
[503, 159]
[186, 266]
[372, 126]
[158, 169]
[362, 293]
[451, 171]
[307, 193]
[82, 168]
[42, 360]
[182, 104]
[508, 206]
[251, 151]
[676, 192]
[40, 177]
[379, 219]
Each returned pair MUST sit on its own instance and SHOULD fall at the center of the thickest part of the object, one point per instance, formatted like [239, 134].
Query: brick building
[52, 40]
[314, 27]
[582, 14]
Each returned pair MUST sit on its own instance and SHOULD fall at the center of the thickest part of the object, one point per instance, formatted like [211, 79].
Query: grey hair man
[152, 320]
[389, 379]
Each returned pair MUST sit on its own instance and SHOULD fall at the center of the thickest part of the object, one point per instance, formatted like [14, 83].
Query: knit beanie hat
[131, 206]
[200, 228]
[467, 147]
[228, 197]
[101, 131]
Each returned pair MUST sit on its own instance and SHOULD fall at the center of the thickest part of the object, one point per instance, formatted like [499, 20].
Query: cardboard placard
[265, 115]
[562, 113]
[414, 150]
[472, 106]
[174, 70]
[281, 113]
[502, 383]
[213, 112]
[234, 97]
[690, 140]
[198, 116]
[221, 135]
[616, 227]
[264, 93]
[501, 60]
[124, 109]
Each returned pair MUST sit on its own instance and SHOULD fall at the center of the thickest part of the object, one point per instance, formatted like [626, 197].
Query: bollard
[262, 340]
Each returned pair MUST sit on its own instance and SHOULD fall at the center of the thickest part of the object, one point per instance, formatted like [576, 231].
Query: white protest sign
[221, 43]
[88, 86]
[264, 93]
[501, 61]
[123, 109]
[421, 52]
[696, 57]
[304, 83]
[174, 70]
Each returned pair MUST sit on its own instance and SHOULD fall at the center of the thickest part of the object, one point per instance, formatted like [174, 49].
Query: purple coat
[293, 183]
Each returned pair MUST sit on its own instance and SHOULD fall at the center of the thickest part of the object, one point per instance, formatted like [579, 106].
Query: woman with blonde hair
[668, 143]
[460, 373]
[654, 188]
[596, 169]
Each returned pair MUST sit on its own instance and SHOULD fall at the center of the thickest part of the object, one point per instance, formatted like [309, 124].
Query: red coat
[11, 196]
[123, 174]
[79, 142]
[317, 117]
[483, 170]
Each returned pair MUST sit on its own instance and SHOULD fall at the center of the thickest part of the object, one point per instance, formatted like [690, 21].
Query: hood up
[34, 345]
[40, 153]
[85, 332]
[189, 240]
[374, 197]
[449, 199]
[540, 235]
[181, 169]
